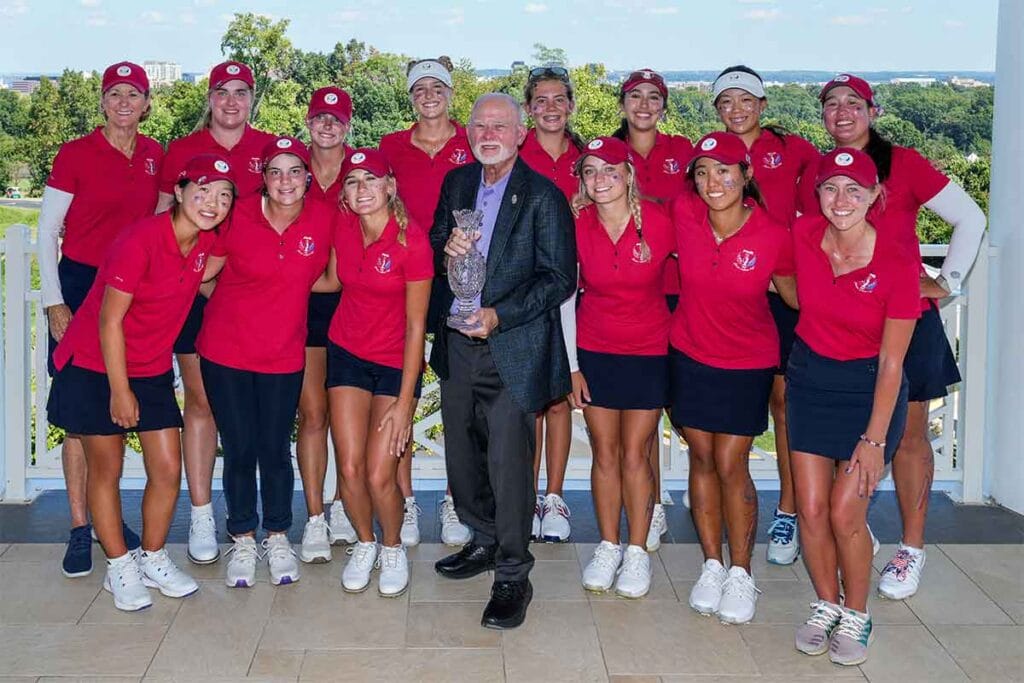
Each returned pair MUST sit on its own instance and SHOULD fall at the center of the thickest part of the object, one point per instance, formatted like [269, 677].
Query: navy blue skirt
[785, 322]
[347, 370]
[75, 282]
[80, 402]
[186, 341]
[718, 400]
[930, 364]
[829, 402]
[318, 319]
[624, 382]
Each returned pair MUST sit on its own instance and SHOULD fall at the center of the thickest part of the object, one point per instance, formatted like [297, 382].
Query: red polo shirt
[723, 319]
[418, 175]
[256, 318]
[110, 191]
[781, 165]
[331, 193]
[370, 321]
[146, 262]
[623, 310]
[843, 317]
[245, 158]
[560, 171]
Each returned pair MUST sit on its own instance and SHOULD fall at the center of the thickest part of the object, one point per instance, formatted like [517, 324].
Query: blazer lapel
[508, 212]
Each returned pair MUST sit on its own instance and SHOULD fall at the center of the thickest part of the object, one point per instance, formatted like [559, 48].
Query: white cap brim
[428, 68]
[738, 79]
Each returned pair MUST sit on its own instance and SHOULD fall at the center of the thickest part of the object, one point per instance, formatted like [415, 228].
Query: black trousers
[488, 443]
[255, 414]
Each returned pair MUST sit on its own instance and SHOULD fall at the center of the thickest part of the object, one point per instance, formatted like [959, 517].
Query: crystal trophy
[466, 273]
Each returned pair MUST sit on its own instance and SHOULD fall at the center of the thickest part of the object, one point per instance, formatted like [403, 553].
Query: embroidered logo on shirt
[671, 166]
[868, 284]
[150, 166]
[746, 260]
[383, 265]
[772, 160]
[641, 253]
[200, 262]
[458, 156]
[306, 246]
[255, 165]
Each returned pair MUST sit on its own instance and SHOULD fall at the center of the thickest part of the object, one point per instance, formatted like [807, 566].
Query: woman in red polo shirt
[384, 264]
[252, 350]
[222, 129]
[420, 157]
[99, 184]
[618, 344]
[846, 391]
[723, 354]
[114, 374]
[848, 112]
[782, 163]
[327, 119]
[552, 149]
[660, 161]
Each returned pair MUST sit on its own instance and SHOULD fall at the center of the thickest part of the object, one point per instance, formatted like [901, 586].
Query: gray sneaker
[851, 638]
[813, 637]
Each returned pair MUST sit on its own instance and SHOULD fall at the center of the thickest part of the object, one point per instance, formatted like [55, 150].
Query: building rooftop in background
[162, 73]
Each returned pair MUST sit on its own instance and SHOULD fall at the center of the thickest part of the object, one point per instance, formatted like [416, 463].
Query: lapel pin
[515, 198]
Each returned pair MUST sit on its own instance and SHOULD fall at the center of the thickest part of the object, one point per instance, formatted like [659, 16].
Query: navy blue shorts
[672, 301]
[75, 282]
[829, 402]
[623, 382]
[80, 402]
[785, 322]
[930, 365]
[718, 400]
[186, 341]
[347, 370]
[318, 319]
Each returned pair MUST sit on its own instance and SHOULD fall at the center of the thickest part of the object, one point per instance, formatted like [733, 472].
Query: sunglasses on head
[559, 72]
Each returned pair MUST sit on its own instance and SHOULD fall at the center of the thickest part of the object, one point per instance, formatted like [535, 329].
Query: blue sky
[48, 35]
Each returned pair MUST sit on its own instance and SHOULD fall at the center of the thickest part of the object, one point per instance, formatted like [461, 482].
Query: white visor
[428, 68]
[738, 79]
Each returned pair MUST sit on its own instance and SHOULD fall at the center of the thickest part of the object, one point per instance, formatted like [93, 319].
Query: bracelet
[876, 444]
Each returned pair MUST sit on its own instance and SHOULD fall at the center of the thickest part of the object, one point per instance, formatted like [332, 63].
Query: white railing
[27, 465]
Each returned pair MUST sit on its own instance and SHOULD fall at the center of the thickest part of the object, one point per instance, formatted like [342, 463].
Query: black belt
[474, 341]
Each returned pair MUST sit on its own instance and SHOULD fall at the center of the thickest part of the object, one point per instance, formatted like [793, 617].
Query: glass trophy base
[458, 322]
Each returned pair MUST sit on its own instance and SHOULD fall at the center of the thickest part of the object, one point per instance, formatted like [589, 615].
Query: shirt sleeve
[904, 301]
[925, 180]
[419, 264]
[64, 173]
[51, 221]
[127, 261]
[806, 193]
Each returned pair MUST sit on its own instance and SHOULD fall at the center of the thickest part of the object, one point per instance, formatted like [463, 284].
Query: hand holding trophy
[466, 272]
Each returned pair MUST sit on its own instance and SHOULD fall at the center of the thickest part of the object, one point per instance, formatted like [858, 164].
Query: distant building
[25, 85]
[518, 66]
[968, 82]
[192, 77]
[913, 81]
[162, 73]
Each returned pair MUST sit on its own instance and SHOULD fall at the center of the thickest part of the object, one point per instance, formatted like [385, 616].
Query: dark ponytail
[880, 151]
[622, 132]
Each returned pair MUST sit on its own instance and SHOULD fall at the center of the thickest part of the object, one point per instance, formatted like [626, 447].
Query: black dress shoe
[508, 603]
[473, 559]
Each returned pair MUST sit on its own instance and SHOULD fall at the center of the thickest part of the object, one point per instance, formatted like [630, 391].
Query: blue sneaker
[78, 555]
[783, 540]
[131, 539]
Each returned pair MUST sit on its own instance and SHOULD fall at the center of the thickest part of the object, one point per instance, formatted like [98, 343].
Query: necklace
[853, 253]
[432, 147]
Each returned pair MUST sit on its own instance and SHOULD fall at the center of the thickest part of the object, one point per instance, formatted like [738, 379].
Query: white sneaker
[600, 572]
[554, 525]
[316, 541]
[159, 571]
[410, 533]
[124, 581]
[202, 539]
[453, 531]
[875, 545]
[706, 595]
[342, 530]
[739, 597]
[657, 529]
[394, 571]
[783, 539]
[901, 577]
[241, 571]
[635, 573]
[538, 516]
[356, 575]
[280, 560]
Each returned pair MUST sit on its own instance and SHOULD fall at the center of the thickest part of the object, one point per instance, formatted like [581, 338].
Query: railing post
[971, 446]
[17, 390]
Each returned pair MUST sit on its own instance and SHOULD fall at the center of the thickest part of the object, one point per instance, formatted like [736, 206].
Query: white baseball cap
[738, 79]
[428, 68]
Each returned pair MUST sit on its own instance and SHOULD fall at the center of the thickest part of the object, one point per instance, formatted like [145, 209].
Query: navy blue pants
[255, 415]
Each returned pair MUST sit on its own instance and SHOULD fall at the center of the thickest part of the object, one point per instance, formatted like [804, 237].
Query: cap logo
[709, 144]
[284, 143]
[734, 76]
[844, 159]
[358, 158]
[596, 144]
[221, 166]
[841, 78]
[427, 66]
[124, 70]
[330, 98]
[233, 69]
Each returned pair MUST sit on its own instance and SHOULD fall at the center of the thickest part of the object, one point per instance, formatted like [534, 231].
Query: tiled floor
[966, 623]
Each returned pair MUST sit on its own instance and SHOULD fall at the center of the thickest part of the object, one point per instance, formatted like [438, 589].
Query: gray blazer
[531, 270]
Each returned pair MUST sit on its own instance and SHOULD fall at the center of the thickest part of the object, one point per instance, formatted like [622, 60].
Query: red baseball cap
[608, 150]
[367, 159]
[725, 148]
[330, 100]
[125, 72]
[849, 162]
[231, 71]
[858, 85]
[284, 144]
[645, 76]
[206, 168]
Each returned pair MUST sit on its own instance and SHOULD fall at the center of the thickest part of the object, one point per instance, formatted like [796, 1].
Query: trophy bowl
[466, 273]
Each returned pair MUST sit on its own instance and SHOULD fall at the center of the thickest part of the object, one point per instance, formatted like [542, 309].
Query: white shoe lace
[388, 558]
[852, 626]
[740, 587]
[203, 526]
[128, 573]
[554, 503]
[161, 563]
[605, 557]
[277, 548]
[633, 566]
[316, 531]
[244, 551]
[825, 616]
[903, 564]
[361, 553]
[710, 579]
[448, 514]
[412, 513]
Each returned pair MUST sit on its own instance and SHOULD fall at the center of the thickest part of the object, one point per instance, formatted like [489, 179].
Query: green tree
[46, 129]
[597, 106]
[13, 113]
[542, 55]
[380, 103]
[260, 42]
[281, 112]
[80, 102]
